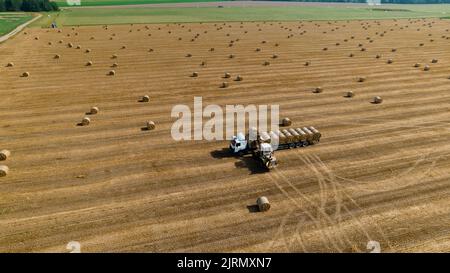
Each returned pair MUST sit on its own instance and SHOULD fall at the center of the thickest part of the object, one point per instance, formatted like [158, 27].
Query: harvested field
[381, 171]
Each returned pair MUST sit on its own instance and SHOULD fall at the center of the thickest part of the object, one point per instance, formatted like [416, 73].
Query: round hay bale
[258, 49]
[434, 61]
[90, 63]
[115, 65]
[57, 56]
[227, 75]
[112, 73]
[224, 85]
[307, 63]
[114, 56]
[188, 55]
[194, 74]
[145, 98]
[361, 79]
[390, 61]
[50, 43]
[70, 45]
[377, 100]
[4, 154]
[94, 110]
[266, 63]
[426, 68]
[239, 78]
[351, 55]
[10, 65]
[349, 94]
[78, 47]
[416, 65]
[88, 50]
[231, 56]
[286, 122]
[263, 203]
[85, 121]
[25, 74]
[151, 125]
[4, 170]
[318, 90]
[394, 50]
[274, 56]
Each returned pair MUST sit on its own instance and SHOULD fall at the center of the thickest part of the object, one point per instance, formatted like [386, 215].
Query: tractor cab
[266, 150]
[266, 155]
[238, 143]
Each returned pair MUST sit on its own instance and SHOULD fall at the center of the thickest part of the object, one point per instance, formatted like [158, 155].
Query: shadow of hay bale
[253, 208]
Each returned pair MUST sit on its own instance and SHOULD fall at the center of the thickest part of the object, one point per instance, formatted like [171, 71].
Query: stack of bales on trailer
[304, 136]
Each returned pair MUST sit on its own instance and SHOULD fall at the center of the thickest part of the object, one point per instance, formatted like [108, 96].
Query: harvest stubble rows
[380, 172]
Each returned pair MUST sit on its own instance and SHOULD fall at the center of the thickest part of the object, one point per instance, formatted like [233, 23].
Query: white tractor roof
[266, 147]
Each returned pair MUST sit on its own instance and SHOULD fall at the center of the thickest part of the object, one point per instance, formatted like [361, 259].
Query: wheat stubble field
[381, 171]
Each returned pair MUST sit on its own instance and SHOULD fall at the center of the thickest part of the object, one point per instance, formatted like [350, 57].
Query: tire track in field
[336, 184]
[321, 220]
[337, 196]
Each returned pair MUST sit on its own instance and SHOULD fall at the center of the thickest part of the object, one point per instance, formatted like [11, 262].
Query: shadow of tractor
[245, 161]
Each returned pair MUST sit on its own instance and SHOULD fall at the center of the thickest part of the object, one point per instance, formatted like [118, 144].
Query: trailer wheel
[291, 146]
[305, 144]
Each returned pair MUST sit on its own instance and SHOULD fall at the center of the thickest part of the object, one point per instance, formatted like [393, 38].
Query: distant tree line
[382, 1]
[28, 5]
